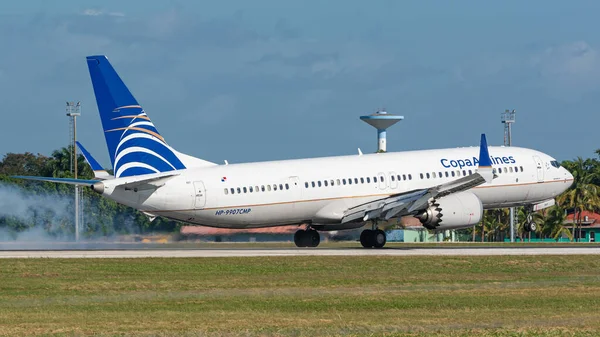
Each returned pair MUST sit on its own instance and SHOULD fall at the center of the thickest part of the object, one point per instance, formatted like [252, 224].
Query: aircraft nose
[568, 176]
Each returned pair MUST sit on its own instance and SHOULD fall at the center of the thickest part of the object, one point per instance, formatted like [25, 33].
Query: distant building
[590, 226]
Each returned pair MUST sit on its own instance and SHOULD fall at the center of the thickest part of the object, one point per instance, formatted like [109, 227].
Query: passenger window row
[447, 174]
[508, 169]
[401, 177]
[464, 173]
[254, 189]
[367, 180]
[355, 181]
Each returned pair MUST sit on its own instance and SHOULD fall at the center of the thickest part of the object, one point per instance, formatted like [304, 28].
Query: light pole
[74, 110]
[508, 118]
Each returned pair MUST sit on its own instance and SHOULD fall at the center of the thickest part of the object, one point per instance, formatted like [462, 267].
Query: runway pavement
[241, 252]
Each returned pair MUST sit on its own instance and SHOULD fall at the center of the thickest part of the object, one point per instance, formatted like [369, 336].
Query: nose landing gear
[530, 225]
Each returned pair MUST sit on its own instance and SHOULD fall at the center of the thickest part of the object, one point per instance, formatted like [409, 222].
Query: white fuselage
[319, 190]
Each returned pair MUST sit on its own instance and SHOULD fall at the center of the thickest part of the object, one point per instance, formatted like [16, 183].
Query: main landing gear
[307, 238]
[373, 238]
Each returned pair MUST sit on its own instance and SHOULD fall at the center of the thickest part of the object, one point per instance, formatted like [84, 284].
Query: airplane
[443, 188]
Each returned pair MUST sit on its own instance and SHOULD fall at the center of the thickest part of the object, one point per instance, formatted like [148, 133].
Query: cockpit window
[555, 163]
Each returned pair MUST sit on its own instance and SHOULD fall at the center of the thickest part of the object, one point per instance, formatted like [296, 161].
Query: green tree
[60, 164]
[23, 164]
[554, 223]
[523, 217]
[583, 193]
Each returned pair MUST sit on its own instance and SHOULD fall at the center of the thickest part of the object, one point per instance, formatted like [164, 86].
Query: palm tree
[524, 217]
[554, 223]
[503, 225]
[490, 226]
[583, 193]
[493, 225]
[484, 224]
[60, 164]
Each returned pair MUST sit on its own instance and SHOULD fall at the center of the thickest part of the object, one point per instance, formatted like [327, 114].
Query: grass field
[302, 296]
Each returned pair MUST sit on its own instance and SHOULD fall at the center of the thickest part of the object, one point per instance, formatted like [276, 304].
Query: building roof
[588, 219]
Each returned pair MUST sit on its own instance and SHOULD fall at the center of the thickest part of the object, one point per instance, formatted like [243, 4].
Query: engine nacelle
[459, 210]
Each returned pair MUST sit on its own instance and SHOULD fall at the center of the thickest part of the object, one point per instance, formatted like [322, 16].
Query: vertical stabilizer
[134, 144]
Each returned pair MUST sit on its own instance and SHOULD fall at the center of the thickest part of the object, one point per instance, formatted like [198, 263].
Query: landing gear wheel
[313, 238]
[307, 238]
[379, 238]
[366, 238]
[299, 238]
[373, 238]
[532, 226]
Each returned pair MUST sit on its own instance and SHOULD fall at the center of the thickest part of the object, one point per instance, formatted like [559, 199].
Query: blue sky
[265, 80]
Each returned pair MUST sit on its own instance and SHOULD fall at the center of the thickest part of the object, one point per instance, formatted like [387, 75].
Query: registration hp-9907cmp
[233, 211]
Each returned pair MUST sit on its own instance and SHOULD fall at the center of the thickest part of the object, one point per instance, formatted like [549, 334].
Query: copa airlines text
[470, 162]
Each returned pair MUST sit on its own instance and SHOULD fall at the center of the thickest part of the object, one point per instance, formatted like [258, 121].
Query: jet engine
[459, 210]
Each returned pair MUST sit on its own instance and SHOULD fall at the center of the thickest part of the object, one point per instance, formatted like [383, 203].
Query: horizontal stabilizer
[145, 182]
[70, 181]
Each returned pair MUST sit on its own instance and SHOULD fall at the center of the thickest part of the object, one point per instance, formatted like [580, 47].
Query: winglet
[485, 163]
[99, 172]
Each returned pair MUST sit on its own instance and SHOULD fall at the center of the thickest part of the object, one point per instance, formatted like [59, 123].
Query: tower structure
[508, 118]
[73, 111]
[381, 121]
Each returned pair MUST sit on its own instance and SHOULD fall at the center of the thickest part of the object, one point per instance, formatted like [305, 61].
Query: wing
[409, 202]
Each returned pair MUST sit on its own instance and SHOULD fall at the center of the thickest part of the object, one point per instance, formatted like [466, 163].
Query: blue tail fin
[135, 146]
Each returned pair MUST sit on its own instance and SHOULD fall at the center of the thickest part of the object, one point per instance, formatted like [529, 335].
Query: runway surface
[241, 252]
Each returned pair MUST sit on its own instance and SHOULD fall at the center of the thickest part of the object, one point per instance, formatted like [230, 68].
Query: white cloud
[99, 12]
[577, 60]
[568, 71]
[92, 12]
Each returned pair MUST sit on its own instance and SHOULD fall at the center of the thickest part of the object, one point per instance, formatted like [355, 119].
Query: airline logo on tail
[140, 149]
[134, 144]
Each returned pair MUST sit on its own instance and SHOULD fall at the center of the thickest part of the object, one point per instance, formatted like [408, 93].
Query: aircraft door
[539, 168]
[382, 181]
[200, 195]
